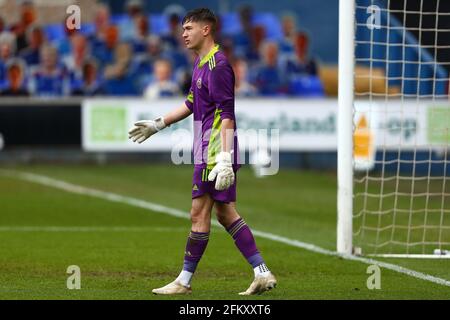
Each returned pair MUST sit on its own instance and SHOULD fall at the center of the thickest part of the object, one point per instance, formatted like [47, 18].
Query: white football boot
[174, 287]
[261, 284]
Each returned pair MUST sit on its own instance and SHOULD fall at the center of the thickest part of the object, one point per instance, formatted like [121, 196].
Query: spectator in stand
[268, 77]
[36, 39]
[242, 87]
[163, 85]
[91, 85]
[227, 47]
[28, 16]
[15, 70]
[154, 49]
[127, 24]
[258, 36]
[120, 74]
[287, 43]
[101, 21]
[104, 51]
[134, 8]
[2, 24]
[245, 42]
[7, 50]
[75, 61]
[120, 65]
[299, 63]
[63, 44]
[184, 78]
[179, 58]
[242, 41]
[171, 40]
[142, 31]
[49, 79]
[301, 72]
[97, 40]
[226, 42]
[143, 64]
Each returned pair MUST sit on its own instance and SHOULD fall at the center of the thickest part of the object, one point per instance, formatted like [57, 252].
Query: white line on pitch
[72, 188]
[87, 229]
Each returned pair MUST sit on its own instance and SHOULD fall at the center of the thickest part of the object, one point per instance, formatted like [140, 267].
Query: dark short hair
[15, 63]
[203, 15]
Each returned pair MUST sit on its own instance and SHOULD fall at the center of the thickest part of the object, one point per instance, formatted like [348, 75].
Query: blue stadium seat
[308, 86]
[159, 24]
[120, 87]
[117, 19]
[87, 28]
[232, 26]
[230, 23]
[54, 31]
[271, 23]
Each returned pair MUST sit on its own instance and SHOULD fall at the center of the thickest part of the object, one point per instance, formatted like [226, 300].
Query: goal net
[400, 139]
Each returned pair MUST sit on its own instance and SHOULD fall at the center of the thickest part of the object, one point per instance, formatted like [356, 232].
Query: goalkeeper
[211, 100]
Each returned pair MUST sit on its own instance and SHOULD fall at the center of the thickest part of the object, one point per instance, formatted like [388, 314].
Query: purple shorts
[201, 185]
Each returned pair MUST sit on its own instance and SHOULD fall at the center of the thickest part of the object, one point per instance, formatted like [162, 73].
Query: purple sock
[195, 246]
[243, 238]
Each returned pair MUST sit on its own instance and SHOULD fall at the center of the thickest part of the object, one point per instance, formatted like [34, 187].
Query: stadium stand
[119, 51]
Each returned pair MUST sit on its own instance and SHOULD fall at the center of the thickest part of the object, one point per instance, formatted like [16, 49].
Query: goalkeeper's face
[194, 34]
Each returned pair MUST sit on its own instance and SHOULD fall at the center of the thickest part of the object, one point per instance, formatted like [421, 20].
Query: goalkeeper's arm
[144, 129]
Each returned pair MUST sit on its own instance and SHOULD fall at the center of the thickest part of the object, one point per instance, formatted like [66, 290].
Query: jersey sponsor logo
[199, 83]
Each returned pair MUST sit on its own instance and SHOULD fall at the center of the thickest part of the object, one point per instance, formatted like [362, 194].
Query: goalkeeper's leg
[245, 242]
[195, 246]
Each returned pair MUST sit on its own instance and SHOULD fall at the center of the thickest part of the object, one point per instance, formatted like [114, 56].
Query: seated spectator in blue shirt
[79, 51]
[243, 41]
[163, 85]
[242, 87]
[7, 50]
[139, 40]
[268, 77]
[172, 46]
[287, 43]
[63, 44]
[153, 52]
[247, 42]
[105, 37]
[302, 71]
[171, 39]
[120, 74]
[35, 38]
[127, 23]
[49, 79]
[143, 63]
[299, 63]
[15, 78]
[91, 84]
[103, 50]
[102, 21]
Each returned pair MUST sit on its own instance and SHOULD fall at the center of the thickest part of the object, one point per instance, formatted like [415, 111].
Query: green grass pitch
[124, 251]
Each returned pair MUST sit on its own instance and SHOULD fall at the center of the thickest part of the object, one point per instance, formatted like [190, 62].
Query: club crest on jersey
[199, 83]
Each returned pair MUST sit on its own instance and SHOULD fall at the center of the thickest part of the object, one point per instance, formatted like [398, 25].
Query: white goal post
[393, 196]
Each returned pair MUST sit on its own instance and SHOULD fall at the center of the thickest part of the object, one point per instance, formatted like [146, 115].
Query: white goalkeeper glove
[144, 129]
[223, 171]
